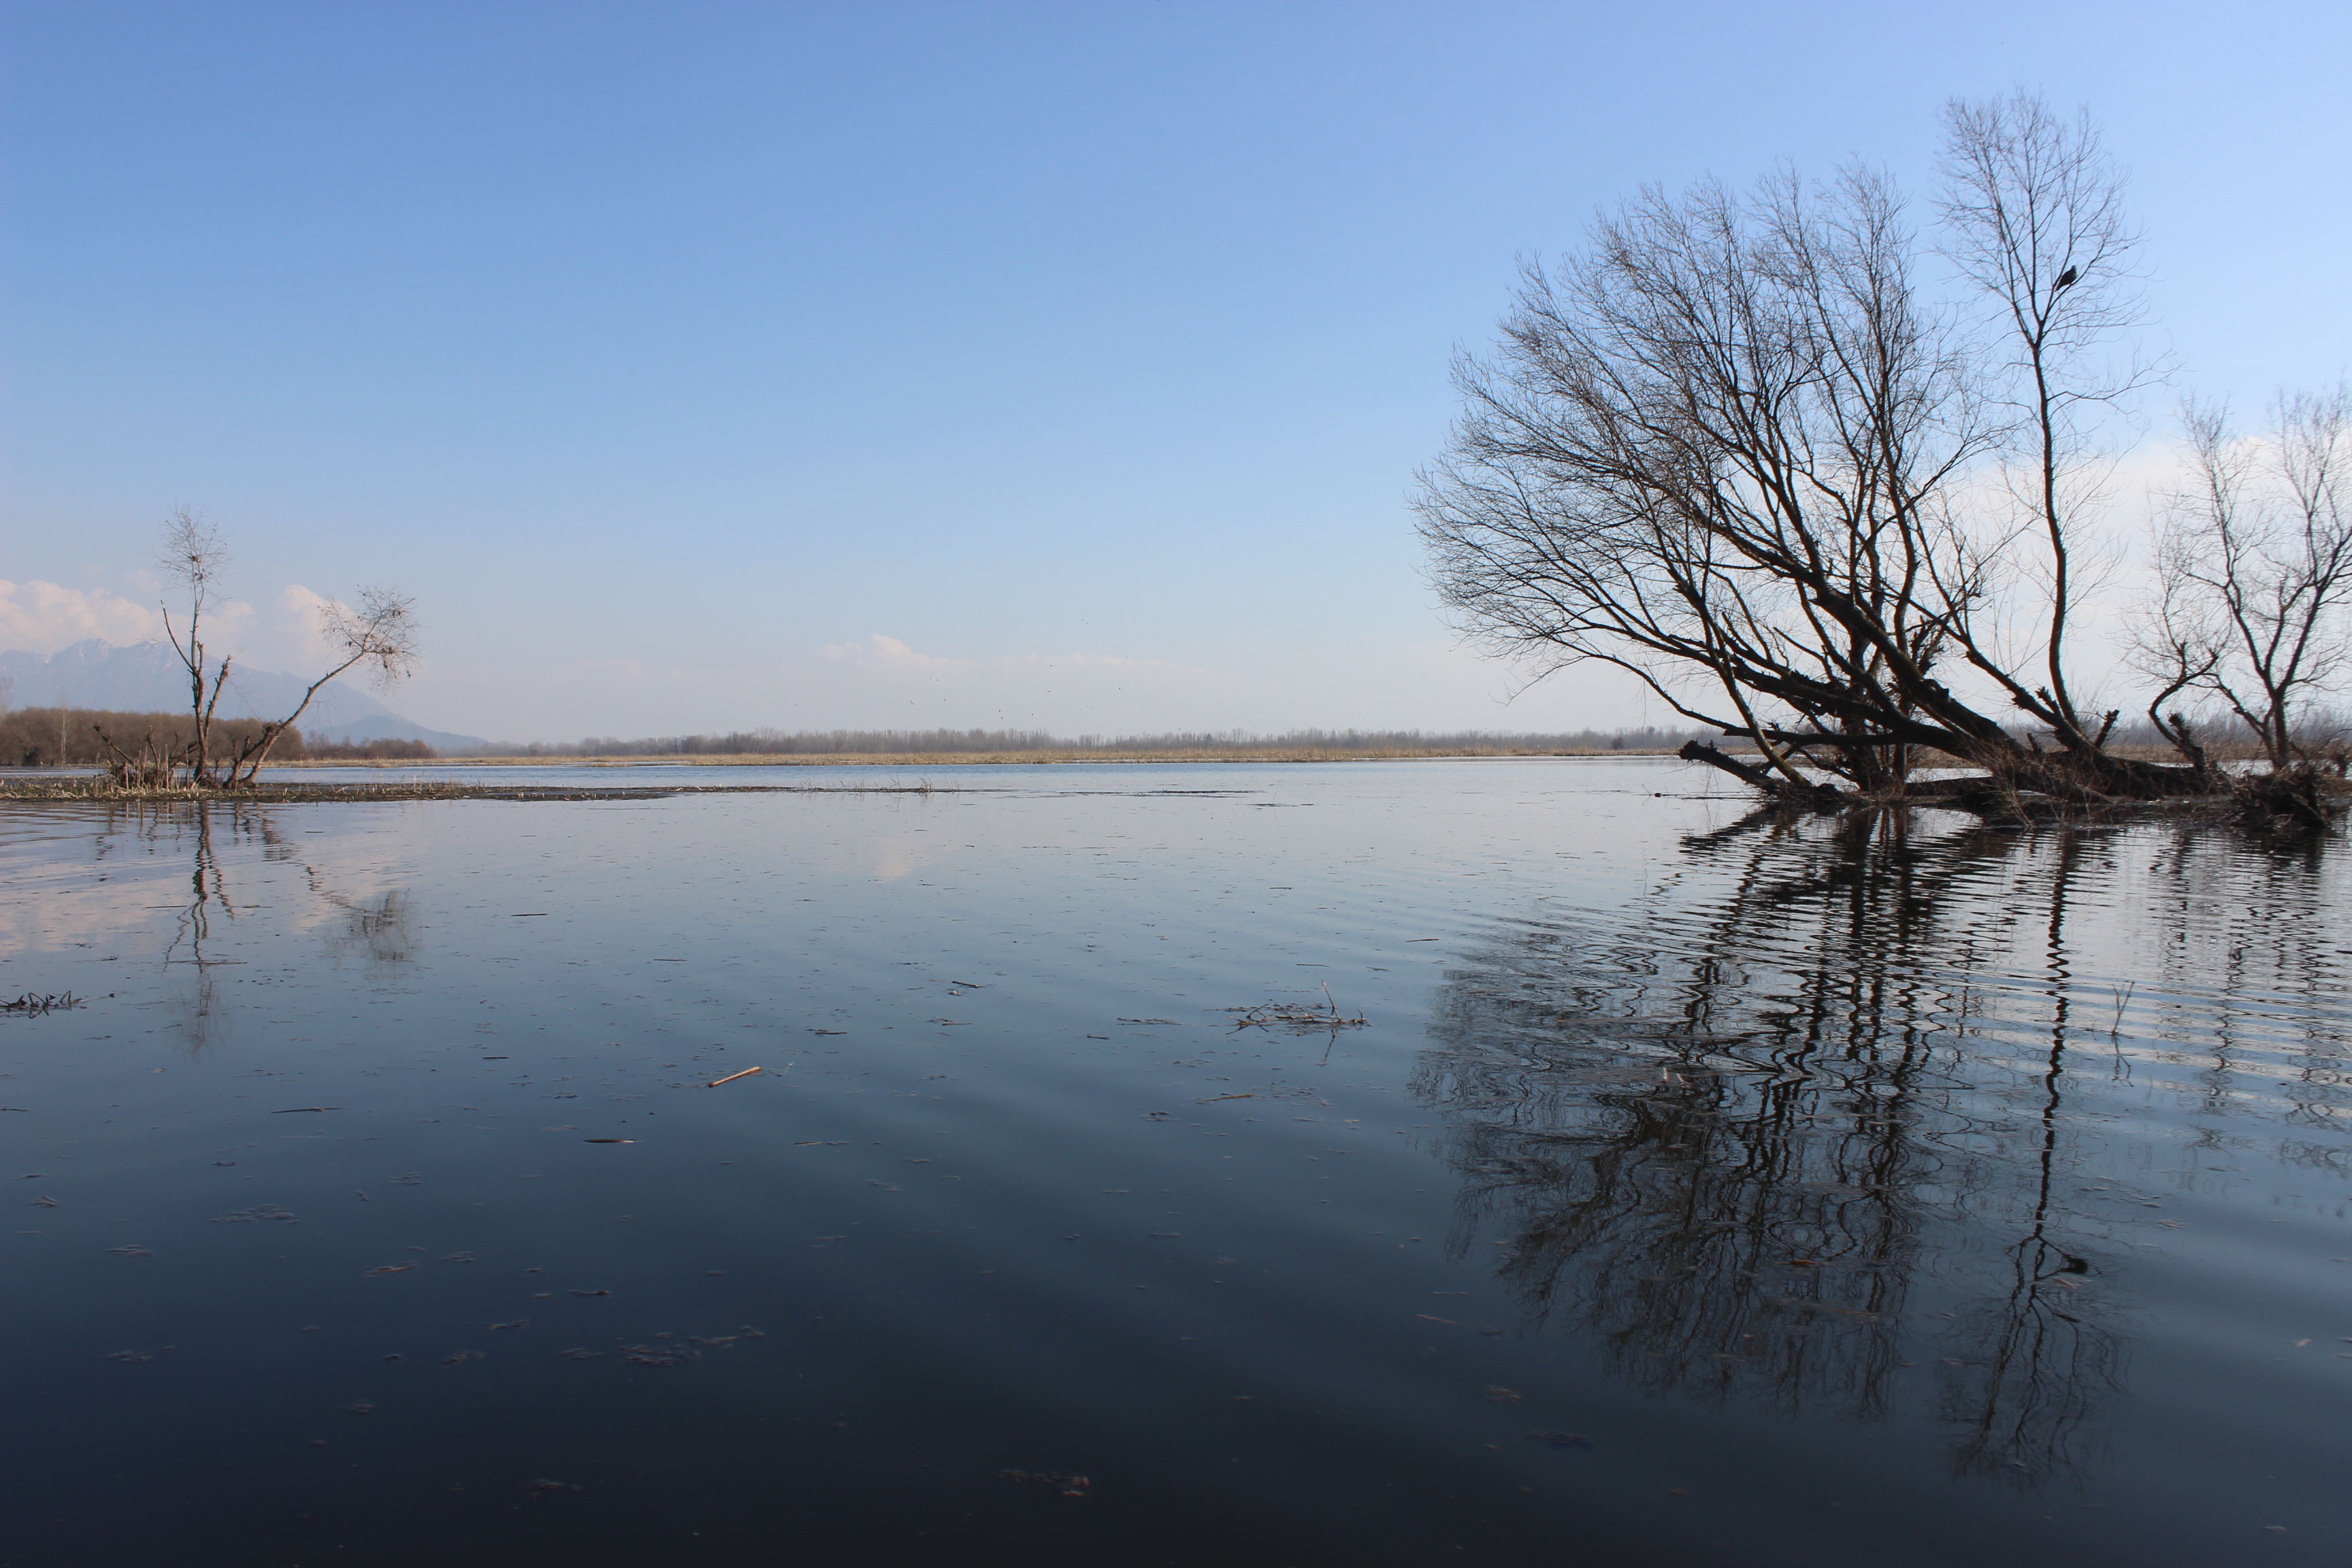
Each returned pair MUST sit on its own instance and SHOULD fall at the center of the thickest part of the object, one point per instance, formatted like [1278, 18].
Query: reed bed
[288, 792]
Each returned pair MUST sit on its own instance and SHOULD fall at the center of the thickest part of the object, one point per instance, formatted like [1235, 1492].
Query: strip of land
[282, 791]
[1009, 759]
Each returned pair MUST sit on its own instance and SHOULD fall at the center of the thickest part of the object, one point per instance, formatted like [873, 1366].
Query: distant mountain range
[146, 677]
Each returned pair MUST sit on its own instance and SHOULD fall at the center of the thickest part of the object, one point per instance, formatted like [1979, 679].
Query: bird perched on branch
[2064, 278]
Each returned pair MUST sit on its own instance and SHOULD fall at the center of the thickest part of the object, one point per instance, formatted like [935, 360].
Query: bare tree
[194, 557]
[2253, 600]
[1736, 450]
[381, 634]
[2177, 642]
[2033, 218]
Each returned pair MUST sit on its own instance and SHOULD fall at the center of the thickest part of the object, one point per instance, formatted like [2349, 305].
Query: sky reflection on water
[1701, 1190]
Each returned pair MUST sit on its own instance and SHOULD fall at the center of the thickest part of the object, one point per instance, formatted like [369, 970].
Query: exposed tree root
[2301, 798]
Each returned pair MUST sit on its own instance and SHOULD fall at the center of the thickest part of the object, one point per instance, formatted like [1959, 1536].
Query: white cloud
[301, 631]
[888, 653]
[285, 632]
[42, 618]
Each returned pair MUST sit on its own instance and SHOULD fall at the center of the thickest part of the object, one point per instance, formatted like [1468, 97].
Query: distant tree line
[383, 749]
[772, 742]
[2317, 728]
[67, 737]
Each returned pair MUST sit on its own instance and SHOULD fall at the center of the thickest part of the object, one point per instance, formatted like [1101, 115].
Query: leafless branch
[380, 634]
[2033, 218]
[2254, 571]
[1731, 448]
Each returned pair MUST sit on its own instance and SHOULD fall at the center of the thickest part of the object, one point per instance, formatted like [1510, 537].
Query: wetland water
[1695, 1192]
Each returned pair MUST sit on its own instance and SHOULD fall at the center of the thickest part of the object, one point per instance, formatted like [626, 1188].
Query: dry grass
[103, 789]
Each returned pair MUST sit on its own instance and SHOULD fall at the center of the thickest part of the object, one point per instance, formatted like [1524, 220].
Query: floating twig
[1291, 1016]
[731, 1077]
[33, 1003]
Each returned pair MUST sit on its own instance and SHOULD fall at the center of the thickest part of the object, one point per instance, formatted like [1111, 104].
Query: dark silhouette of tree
[1734, 448]
[2253, 603]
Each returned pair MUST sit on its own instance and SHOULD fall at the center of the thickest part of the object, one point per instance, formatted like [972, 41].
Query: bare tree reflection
[203, 1015]
[2022, 1397]
[1764, 1142]
[379, 928]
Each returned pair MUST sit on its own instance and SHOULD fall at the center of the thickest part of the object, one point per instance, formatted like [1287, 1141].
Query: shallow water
[1694, 1192]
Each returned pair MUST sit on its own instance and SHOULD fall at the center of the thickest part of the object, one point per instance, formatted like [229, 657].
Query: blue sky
[704, 365]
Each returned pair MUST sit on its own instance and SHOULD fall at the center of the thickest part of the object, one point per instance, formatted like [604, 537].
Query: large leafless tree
[1738, 447]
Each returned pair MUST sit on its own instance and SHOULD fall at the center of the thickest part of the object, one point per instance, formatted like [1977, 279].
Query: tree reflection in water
[203, 1015]
[1804, 1120]
[379, 928]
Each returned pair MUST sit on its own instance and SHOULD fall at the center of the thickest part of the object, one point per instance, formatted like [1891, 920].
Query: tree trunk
[1811, 797]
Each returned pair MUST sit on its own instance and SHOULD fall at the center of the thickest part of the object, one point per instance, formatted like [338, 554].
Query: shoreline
[94, 787]
[2317, 802]
[963, 758]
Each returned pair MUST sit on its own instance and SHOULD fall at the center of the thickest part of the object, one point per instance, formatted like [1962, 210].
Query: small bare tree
[194, 557]
[2252, 597]
[2176, 642]
[380, 633]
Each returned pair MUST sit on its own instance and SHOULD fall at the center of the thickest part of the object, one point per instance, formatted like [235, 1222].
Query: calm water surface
[1697, 1191]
